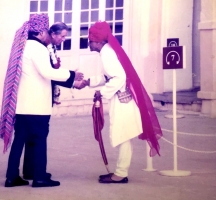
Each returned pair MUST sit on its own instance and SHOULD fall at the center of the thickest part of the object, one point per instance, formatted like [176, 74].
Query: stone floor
[74, 159]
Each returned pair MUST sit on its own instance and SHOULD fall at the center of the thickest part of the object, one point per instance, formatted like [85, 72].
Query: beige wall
[152, 22]
[196, 45]
[12, 16]
[145, 43]
[177, 23]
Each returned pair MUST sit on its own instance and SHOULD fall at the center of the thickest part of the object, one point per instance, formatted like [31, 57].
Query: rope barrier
[181, 147]
[191, 134]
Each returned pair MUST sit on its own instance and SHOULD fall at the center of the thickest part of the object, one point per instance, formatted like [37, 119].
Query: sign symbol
[173, 56]
[173, 44]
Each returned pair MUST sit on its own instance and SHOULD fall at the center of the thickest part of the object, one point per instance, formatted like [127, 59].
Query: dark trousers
[34, 128]
[28, 163]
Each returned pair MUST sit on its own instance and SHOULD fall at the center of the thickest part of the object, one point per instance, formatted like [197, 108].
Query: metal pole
[174, 121]
[175, 171]
[149, 167]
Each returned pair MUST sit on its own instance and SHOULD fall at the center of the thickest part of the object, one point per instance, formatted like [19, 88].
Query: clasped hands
[58, 64]
[79, 82]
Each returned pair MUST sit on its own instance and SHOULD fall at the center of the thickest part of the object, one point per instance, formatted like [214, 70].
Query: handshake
[79, 82]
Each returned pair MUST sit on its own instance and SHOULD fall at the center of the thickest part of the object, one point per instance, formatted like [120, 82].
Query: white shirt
[125, 121]
[34, 91]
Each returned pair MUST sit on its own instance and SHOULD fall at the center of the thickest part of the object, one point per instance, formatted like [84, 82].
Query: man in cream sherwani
[119, 79]
[27, 100]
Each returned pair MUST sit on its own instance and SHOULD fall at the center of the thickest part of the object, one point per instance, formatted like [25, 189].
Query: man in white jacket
[27, 100]
[57, 35]
[131, 112]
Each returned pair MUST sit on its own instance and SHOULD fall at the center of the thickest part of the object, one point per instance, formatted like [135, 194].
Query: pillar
[207, 27]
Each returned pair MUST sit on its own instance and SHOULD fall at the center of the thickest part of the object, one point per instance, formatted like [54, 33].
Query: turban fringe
[151, 128]
[37, 23]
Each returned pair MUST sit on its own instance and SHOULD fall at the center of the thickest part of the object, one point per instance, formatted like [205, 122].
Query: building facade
[142, 27]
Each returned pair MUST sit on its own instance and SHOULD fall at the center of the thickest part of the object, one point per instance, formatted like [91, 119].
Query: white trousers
[124, 159]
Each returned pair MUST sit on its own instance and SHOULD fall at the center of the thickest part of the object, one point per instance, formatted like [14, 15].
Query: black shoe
[45, 183]
[15, 182]
[105, 175]
[29, 177]
[108, 179]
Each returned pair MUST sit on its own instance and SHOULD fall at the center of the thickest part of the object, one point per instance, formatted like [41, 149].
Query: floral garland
[56, 63]
[53, 55]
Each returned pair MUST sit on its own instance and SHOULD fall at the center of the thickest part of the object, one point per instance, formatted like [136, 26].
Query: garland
[56, 64]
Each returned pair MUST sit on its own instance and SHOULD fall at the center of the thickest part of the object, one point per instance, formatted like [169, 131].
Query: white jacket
[34, 91]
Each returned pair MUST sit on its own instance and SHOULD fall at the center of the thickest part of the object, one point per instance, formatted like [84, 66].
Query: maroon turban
[99, 32]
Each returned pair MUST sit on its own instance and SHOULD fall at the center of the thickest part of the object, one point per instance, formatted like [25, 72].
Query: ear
[41, 33]
[52, 34]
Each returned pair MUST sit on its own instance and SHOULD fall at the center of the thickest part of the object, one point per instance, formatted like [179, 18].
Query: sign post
[173, 59]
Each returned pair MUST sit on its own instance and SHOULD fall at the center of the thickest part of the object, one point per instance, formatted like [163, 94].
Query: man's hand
[80, 84]
[58, 64]
[78, 76]
[97, 96]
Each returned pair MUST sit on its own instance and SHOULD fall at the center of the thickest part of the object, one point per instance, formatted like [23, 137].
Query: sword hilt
[97, 104]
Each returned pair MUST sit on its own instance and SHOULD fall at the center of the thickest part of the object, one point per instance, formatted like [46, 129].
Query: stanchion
[175, 171]
[149, 167]
[171, 116]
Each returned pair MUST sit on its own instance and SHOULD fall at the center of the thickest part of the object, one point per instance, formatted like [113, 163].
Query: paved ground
[74, 159]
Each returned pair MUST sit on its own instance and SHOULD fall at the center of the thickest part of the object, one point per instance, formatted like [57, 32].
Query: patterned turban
[99, 32]
[36, 23]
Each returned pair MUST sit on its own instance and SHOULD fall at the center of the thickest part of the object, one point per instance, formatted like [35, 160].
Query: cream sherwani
[33, 109]
[125, 121]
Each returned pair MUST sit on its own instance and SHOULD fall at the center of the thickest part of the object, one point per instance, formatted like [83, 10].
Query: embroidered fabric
[124, 97]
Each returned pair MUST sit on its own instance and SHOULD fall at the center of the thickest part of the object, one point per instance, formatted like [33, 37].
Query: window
[114, 16]
[63, 13]
[81, 15]
[88, 15]
[40, 6]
